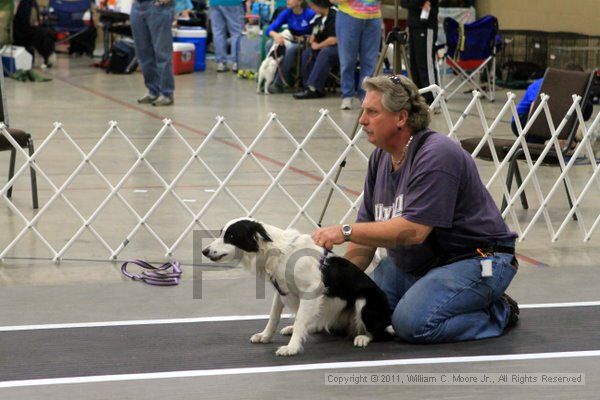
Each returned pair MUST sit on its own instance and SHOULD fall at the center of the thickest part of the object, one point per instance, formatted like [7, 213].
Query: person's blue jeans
[223, 19]
[316, 65]
[151, 28]
[357, 39]
[450, 303]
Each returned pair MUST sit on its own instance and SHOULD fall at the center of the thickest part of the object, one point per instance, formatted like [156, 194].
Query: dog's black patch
[346, 281]
[278, 51]
[244, 234]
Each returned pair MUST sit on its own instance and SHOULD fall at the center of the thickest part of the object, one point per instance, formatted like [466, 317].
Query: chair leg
[11, 170]
[34, 193]
[569, 199]
[509, 179]
[519, 183]
[513, 172]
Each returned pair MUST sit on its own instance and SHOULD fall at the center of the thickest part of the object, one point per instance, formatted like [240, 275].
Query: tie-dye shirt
[362, 9]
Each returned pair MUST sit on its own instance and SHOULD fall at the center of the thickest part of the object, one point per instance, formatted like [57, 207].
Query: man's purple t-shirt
[439, 187]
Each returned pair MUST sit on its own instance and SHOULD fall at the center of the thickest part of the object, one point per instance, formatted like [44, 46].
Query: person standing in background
[28, 32]
[226, 16]
[151, 22]
[358, 31]
[422, 35]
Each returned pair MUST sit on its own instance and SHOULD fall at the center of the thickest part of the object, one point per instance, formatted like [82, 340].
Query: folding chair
[67, 16]
[559, 85]
[470, 50]
[23, 139]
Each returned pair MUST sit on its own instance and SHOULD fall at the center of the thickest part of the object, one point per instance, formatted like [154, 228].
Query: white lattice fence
[581, 157]
[321, 175]
[299, 205]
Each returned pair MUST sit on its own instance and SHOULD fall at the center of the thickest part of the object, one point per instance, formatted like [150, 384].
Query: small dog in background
[326, 292]
[268, 68]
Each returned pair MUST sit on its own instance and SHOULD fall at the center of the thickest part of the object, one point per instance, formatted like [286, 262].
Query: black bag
[122, 58]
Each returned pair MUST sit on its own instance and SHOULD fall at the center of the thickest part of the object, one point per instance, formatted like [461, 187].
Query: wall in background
[579, 16]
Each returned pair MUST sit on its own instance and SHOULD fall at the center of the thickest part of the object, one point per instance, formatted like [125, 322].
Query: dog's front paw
[287, 331]
[362, 340]
[260, 338]
[288, 350]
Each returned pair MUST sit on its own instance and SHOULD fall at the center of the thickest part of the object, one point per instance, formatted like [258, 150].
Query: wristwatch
[346, 231]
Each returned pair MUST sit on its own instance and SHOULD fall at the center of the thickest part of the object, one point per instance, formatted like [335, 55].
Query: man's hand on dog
[328, 237]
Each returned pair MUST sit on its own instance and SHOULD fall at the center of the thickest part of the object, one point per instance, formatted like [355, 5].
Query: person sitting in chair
[531, 94]
[322, 54]
[297, 16]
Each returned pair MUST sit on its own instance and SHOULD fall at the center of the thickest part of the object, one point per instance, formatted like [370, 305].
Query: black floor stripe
[74, 352]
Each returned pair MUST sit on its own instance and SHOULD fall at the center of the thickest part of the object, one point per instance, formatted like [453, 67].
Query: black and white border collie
[327, 293]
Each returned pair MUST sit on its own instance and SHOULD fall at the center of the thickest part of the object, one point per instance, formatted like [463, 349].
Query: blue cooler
[196, 36]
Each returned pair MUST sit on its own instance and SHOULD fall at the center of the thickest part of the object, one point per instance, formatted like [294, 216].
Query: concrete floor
[85, 287]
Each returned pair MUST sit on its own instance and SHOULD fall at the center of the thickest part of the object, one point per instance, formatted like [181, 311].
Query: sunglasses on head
[396, 79]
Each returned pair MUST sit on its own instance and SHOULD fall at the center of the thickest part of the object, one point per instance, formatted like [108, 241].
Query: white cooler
[14, 58]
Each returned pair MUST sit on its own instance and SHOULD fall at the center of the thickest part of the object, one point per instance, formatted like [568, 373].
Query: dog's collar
[323, 257]
[276, 286]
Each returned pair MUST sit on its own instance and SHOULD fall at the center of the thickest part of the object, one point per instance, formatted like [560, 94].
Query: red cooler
[183, 58]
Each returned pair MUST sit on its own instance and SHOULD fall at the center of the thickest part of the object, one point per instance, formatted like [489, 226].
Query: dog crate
[550, 49]
[586, 56]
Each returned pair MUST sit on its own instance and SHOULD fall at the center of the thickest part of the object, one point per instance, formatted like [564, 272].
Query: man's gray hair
[400, 93]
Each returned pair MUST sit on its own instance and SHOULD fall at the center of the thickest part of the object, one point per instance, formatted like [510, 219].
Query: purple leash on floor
[160, 276]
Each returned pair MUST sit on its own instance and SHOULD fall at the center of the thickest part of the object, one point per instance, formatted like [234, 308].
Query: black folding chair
[23, 139]
[560, 85]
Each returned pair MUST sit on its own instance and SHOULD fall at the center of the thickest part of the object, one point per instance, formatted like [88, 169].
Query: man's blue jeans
[223, 19]
[357, 39]
[151, 28]
[450, 303]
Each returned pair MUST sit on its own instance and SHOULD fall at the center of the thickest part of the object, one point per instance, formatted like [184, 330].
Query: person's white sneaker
[221, 67]
[234, 68]
[148, 98]
[346, 103]
[163, 101]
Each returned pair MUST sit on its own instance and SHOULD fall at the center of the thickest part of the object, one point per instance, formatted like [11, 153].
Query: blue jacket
[298, 25]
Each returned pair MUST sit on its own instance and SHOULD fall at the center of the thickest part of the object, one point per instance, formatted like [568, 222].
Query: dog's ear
[279, 51]
[262, 233]
[246, 234]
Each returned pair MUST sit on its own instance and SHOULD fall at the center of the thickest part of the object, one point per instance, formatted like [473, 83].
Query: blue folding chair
[470, 50]
[67, 17]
